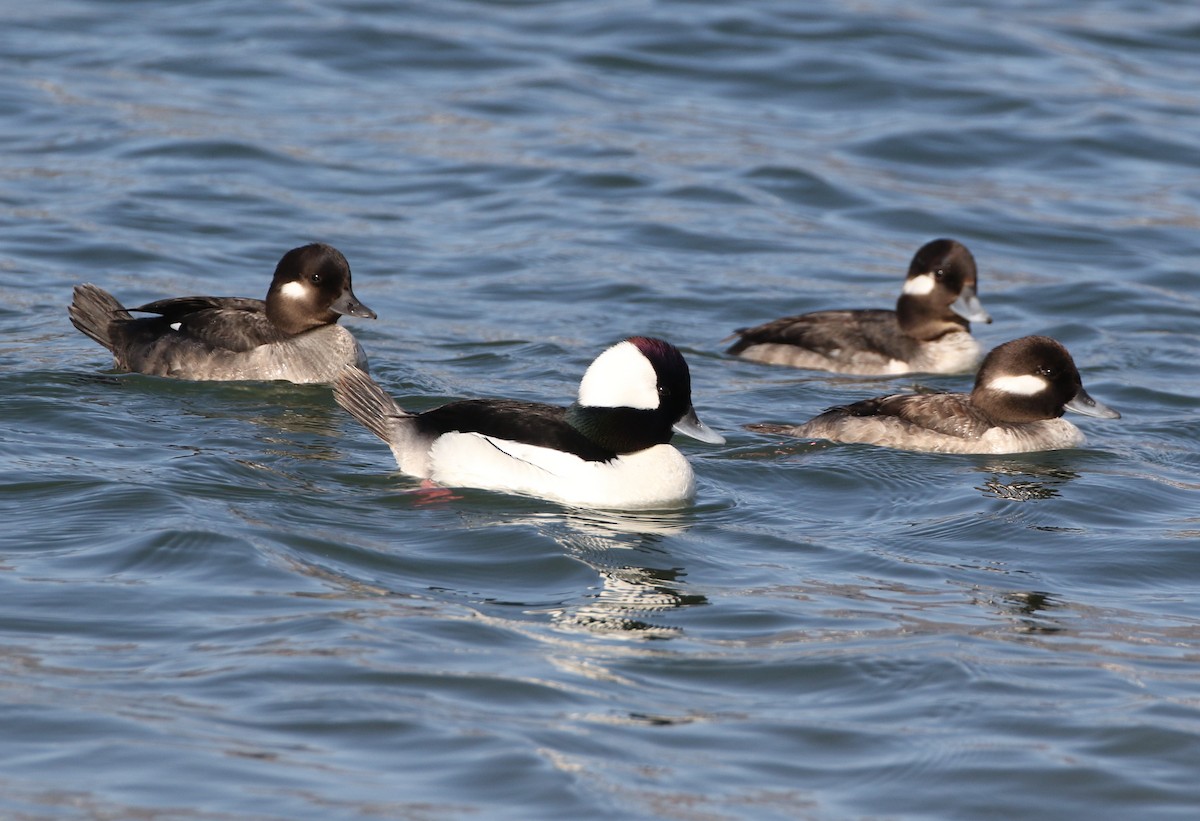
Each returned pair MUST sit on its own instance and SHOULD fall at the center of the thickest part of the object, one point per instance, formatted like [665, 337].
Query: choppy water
[221, 602]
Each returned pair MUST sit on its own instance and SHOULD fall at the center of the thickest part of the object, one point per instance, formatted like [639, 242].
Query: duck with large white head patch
[928, 332]
[291, 335]
[1021, 391]
[610, 449]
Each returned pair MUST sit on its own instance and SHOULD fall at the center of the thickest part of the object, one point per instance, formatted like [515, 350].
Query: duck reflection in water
[638, 586]
[1029, 611]
[1024, 481]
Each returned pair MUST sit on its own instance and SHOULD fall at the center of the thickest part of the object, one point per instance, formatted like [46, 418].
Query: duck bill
[969, 307]
[690, 425]
[1083, 403]
[348, 305]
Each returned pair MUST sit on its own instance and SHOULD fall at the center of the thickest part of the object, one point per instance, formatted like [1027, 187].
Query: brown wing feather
[228, 323]
[825, 332]
[947, 413]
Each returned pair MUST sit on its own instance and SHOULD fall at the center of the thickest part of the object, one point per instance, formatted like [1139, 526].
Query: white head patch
[919, 285]
[293, 290]
[621, 377]
[1024, 385]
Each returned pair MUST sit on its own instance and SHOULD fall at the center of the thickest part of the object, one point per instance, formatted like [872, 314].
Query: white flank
[919, 285]
[1026, 385]
[657, 477]
[293, 290]
[621, 377]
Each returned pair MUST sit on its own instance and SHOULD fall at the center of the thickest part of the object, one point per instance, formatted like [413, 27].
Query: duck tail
[363, 399]
[776, 430]
[743, 342]
[94, 310]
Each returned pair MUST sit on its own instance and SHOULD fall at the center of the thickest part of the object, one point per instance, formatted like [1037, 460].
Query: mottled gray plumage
[929, 331]
[1022, 389]
[293, 335]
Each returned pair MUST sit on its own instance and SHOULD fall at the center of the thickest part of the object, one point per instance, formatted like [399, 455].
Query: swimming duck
[610, 449]
[292, 335]
[929, 332]
[1021, 390]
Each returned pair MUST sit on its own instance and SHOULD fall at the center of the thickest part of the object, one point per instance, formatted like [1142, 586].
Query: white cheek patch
[621, 377]
[175, 326]
[919, 285]
[293, 290]
[1026, 385]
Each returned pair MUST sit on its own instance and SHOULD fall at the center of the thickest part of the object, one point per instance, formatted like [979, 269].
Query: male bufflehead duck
[929, 332]
[1020, 392]
[608, 450]
[292, 335]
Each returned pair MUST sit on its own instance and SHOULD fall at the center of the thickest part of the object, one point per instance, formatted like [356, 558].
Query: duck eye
[1044, 370]
[939, 274]
[315, 279]
[664, 391]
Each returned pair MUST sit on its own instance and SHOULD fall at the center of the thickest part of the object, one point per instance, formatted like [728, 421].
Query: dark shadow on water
[299, 420]
[1029, 610]
[638, 582]
[1023, 480]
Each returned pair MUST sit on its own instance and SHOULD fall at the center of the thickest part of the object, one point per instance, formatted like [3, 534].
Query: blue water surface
[222, 601]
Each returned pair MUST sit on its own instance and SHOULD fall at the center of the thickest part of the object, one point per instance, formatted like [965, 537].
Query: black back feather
[532, 423]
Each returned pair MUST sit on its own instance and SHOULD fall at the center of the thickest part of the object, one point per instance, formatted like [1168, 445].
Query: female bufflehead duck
[1021, 390]
[608, 450]
[929, 332]
[293, 335]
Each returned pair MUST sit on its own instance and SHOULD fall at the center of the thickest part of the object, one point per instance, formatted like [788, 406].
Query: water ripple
[234, 582]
